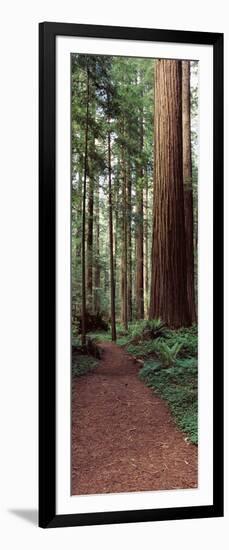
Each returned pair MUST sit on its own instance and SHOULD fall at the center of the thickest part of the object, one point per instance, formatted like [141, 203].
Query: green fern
[168, 355]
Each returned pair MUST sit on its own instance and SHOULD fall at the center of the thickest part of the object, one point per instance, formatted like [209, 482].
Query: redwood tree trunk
[188, 195]
[168, 299]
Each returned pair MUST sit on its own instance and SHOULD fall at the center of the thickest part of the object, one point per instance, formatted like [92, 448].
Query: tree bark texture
[188, 194]
[168, 299]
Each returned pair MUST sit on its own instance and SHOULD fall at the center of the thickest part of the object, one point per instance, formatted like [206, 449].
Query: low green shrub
[82, 364]
[145, 329]
[100, 336]
[178, 385]
[143, 349]
[76, 340]
[187, 338]
[168, 354]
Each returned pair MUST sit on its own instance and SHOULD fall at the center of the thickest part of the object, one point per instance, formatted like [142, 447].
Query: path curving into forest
[123, 436]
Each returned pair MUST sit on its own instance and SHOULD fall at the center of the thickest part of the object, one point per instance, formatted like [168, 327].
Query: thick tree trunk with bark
[168, 299]
[188, 194]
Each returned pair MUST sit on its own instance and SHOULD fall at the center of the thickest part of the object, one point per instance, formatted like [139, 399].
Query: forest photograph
[134, 274]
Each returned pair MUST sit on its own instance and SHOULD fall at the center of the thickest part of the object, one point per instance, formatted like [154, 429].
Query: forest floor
[123, 435]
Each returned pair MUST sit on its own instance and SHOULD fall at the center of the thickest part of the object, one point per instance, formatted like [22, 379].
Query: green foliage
[76, 340]
[187, 338]
[170, 368]
[142, 331]
[166, 354]
[82, 364]
[143, 349]
[122, 337]
[178, 385]
[188, 364]
[169, 346]
[100, 336]
[128, 83]
[157, 326]
[125, 338]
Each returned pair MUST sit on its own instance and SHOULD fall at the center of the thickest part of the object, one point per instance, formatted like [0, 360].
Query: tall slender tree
[83, 334]
[146, 244]
[124, 265]
[90, 222]
[112, 280]
[188, 194]
[97, 256]
[140, 227]
[129, 243]
[116, 229]
[168, 299]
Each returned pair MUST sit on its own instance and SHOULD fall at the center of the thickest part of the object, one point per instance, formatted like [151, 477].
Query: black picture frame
[47, 274]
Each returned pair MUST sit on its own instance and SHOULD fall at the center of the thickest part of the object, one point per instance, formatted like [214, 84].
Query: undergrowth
[171, 370]
[138, 331]
[178, 386]
[143, 349]
[82, 364]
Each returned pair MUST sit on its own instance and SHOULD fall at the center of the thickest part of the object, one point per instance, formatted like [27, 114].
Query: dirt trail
[123, 436]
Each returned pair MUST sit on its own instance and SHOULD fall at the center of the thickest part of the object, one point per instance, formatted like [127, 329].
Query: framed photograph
[131, 275]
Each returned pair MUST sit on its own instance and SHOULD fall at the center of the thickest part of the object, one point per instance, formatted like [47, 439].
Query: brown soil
[123, 436]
